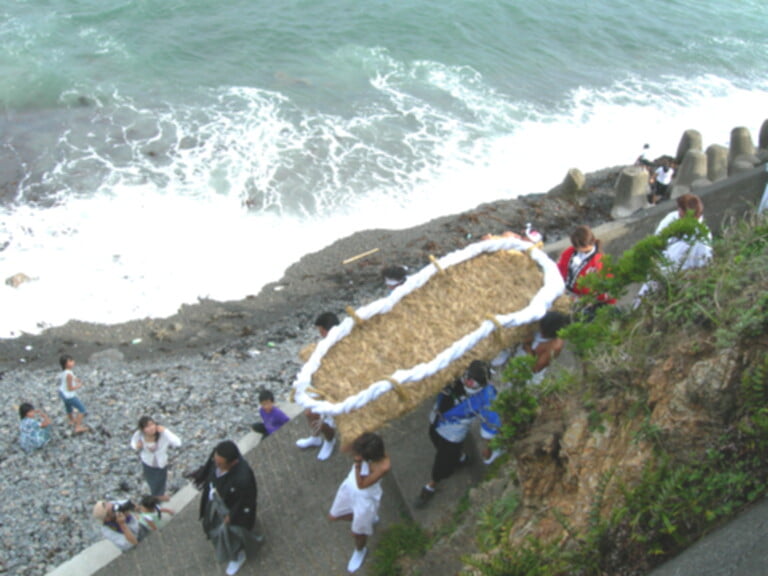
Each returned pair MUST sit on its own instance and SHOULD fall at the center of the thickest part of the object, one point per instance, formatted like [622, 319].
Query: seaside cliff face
[585, 453]
[561, 464]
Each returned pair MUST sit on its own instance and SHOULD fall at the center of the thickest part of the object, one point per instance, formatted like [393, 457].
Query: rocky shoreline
[199, 371]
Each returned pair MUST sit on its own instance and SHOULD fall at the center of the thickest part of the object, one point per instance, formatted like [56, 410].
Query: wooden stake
[363, 255]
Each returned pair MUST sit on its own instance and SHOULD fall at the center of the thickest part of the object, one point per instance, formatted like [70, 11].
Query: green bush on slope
[722, 306]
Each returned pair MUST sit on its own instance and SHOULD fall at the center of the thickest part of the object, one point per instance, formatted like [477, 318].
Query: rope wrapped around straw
[390, 355]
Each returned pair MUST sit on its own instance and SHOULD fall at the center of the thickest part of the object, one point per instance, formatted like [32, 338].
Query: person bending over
[457, 406]
[118, 523]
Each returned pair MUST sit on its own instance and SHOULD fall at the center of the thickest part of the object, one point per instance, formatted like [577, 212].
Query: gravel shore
[199, 371]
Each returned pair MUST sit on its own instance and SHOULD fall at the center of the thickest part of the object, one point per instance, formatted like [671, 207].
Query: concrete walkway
[738, 548]
[295, 494]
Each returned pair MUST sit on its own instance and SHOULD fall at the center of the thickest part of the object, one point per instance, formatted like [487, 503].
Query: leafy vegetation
[517, 405]
[676, 498]
[493, 524]
[398, 542]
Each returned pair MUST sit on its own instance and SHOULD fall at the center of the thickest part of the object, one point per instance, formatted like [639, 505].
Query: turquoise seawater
[148, 148]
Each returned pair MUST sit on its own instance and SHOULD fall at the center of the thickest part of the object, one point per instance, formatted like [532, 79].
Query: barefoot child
[68, 383]
[359, 496]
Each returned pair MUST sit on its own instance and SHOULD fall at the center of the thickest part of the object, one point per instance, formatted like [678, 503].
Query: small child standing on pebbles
[68, 383]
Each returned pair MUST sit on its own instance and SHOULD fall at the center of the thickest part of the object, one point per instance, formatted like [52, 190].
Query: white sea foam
[217, 201]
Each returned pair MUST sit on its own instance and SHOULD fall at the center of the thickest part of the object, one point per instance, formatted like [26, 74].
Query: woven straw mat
[425, 322]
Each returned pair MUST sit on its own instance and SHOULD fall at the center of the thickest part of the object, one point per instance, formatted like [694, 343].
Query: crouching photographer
[118, 524]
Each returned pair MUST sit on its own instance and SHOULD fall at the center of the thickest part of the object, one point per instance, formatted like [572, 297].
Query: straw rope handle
[436, 263]
[398, 388]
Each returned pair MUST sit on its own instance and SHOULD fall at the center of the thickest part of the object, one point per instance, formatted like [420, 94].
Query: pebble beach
[48, 495]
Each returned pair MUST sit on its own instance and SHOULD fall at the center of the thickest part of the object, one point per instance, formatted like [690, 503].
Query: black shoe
[424, 497]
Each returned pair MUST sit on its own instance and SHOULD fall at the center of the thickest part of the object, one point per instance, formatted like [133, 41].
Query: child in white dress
[359, 496]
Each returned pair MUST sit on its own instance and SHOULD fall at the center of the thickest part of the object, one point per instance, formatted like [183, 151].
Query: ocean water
[153, 153]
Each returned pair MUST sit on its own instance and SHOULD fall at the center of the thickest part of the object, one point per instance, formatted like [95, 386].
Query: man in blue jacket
[457, 406]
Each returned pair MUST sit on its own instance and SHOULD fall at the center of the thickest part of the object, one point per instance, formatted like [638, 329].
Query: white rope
[553, 287]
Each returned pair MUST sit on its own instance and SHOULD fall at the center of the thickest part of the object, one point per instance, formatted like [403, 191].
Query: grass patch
[398, 542]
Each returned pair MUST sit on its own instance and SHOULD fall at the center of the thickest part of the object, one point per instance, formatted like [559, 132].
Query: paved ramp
[295, 494]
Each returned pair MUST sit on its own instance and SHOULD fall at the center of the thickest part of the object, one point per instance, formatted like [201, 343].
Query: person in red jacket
[582, 258]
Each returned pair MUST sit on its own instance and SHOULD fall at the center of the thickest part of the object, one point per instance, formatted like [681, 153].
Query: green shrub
[397, 542]
[678, 496]
[517, 406]
[493, 524]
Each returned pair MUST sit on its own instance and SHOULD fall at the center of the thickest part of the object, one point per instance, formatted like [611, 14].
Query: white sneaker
[235, 565]
[326, 450]
[357, 559]
[492, 458]
[309, 441]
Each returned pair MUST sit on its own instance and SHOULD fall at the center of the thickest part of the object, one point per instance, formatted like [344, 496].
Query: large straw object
[389, 356]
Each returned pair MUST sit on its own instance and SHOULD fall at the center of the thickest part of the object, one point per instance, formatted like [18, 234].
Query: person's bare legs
[78, 422]
[314, 438]
[358, 556]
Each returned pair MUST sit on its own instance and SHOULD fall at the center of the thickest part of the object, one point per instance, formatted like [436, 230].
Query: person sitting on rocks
[118, 524]
[681, 253]
[662, 180]
[644, 159]
[359, 496]
[322, 428]
[457, 406]
[34, 428]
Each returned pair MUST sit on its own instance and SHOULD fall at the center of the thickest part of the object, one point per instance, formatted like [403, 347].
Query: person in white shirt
[681, 253]
[644, 159]
[152, 441]
[68, 384]
[662, 181]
